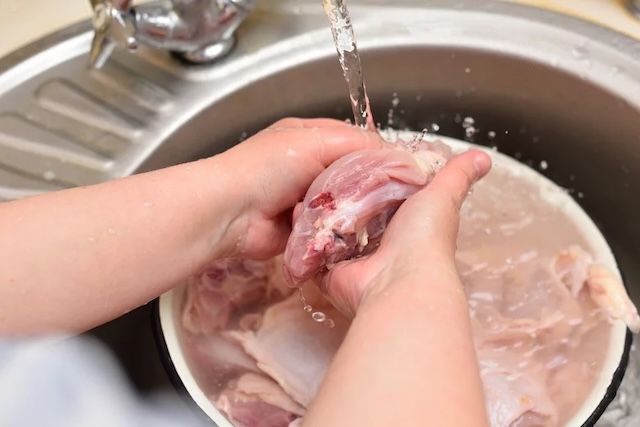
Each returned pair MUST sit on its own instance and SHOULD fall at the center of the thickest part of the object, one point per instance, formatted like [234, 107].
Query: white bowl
[603, 392]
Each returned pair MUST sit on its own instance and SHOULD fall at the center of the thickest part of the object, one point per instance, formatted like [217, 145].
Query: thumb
[428, 221]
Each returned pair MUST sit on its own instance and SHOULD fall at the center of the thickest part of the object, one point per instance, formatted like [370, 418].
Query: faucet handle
[113, 26]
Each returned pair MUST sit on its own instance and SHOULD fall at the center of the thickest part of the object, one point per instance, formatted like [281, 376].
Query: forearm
[74, 259]
[419, 366]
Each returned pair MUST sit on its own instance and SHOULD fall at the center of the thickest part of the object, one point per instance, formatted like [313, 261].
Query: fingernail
[482, 163]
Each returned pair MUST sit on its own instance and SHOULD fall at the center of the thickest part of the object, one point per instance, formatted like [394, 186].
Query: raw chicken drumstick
[349, 205]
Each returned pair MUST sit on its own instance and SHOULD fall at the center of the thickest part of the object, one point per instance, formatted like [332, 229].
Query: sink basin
[549, 90]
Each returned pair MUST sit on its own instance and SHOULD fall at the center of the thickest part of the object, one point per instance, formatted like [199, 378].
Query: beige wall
[24, 20]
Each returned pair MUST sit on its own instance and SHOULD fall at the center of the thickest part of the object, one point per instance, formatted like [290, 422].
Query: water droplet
[319, 316]
[467, 70]
[580, 195]
[330, 323]
[470, 192]
[49, 175]
[435, 127]
[470, 131]
[544, 165]
[395, 101]
[491, 134]
[419, 137]
[468, 122]
[308, 308]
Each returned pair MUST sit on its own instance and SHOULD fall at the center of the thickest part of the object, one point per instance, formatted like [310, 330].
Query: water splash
[349, 57]
[318, 316]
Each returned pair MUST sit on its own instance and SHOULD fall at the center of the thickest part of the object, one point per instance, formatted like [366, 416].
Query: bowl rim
[165, 310]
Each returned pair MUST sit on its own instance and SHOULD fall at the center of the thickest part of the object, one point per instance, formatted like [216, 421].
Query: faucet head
[112, 27]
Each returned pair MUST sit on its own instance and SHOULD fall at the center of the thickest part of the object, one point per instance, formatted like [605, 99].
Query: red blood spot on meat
[325, 200]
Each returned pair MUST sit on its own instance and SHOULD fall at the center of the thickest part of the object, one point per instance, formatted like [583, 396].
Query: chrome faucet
[199, 31]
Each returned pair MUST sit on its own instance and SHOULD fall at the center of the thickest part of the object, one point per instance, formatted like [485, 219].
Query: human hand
[274, 169]
[418, 245]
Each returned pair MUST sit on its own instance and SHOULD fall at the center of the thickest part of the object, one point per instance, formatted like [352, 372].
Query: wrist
[219, 207]
[415, 287]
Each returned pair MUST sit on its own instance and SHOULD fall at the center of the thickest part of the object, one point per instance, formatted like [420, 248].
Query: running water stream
[349, 57]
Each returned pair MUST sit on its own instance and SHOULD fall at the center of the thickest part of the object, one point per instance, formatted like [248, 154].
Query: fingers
[326, 139]
[450, 187]
[295, 122]
[327, 144]
[428, 221]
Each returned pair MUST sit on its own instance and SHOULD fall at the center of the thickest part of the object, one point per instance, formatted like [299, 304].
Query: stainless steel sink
[540, 86]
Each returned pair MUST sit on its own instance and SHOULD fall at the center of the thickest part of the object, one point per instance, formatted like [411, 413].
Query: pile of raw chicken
[541, 308]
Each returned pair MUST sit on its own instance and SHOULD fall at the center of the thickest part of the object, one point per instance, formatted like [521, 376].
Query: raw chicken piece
[214, 360]
[572, 268]
[255, 413]
[609, 293]
[520, 303]
[514, 397]
[544, 300]
[532, 320]
[349, 205]
[292, 348]
[255, 385]
[257, 401]
[227, 285]
[577, 268]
